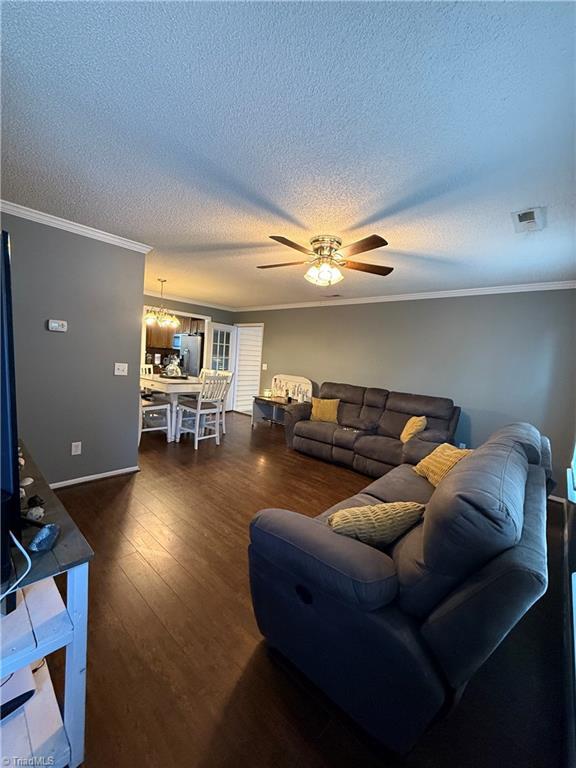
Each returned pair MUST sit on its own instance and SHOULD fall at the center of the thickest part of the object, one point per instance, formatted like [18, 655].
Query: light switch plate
[264, 366]
[120, 369]
[76, 448]
[61, 326]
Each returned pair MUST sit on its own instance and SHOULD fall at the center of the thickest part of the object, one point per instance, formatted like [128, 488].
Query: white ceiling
[202, 128]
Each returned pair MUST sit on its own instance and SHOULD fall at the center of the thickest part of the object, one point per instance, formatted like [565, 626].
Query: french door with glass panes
[223, 353]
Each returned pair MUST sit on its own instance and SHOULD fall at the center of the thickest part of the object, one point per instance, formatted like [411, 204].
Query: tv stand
[42, 623]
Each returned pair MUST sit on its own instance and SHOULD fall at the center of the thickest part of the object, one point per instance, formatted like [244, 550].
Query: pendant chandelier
[159, 315]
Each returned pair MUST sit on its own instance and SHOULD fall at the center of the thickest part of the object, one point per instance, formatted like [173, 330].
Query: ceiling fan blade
[286, 264]
[360, 246]
[292, 244]
[373, 269]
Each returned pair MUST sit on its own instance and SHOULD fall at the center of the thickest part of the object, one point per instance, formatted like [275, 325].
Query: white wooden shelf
[35, 733]
[39, 625]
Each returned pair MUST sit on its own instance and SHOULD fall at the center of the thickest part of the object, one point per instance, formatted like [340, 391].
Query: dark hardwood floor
[178, 673]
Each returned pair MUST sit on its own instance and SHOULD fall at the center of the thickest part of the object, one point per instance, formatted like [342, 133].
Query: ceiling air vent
[529, 220]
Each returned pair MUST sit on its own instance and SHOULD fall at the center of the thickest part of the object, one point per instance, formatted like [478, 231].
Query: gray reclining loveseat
[392, 636]
[370, 420]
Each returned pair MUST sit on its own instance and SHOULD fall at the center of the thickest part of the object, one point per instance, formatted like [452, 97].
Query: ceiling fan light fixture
[323, 274]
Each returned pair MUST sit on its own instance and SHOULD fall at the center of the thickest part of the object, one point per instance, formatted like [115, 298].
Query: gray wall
[217, 315]
[65, 382]
[503, 358]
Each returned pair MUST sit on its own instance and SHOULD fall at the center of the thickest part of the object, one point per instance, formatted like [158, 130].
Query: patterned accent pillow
[376, 524]
[437, 464]
[324, 410]
[414, 426]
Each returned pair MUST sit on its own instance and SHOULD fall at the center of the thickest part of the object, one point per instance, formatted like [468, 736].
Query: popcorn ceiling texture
[202, 128]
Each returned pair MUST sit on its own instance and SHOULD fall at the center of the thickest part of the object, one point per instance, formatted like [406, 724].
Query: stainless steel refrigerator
[191, 348]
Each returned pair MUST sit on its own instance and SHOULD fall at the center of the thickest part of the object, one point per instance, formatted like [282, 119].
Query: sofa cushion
[358, 500]
[351, 399]
[392, 423]
[370, 467]
[401, 484]
[347, 393]
[419, 589]
[477, 511]
[440, 462]
[315, 448]
[316, 557]
[324, 410]
[322, 431]
[400, 406]
[420, 405]
[376, 524]
[345, 437]
[380, 448]
[374, 404]
[413, 426]
[526, 435]
[475, 514]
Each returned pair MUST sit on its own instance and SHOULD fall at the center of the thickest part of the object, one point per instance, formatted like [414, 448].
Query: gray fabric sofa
[370, 420]
[392, 636]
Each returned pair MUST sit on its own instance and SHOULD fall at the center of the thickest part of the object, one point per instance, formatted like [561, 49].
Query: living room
[355, 223]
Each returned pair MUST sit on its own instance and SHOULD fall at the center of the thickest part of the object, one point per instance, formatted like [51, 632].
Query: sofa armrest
[292, 414]
[418, 448]
[319, 558]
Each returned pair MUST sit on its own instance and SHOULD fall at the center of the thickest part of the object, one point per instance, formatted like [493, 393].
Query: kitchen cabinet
[159, 338]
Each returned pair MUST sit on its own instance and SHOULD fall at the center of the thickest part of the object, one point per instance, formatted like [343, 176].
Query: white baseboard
[559, 499]
[89, 478]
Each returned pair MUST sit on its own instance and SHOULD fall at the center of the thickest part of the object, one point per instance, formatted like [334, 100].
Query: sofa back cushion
[475, 513]
[526, 435]
[359, 407]
[351, 400]
[401, 406]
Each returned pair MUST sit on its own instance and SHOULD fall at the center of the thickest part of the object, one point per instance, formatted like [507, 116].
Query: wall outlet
[76, 449]
[461, 445]
[61, 326]
[264, 366]
[120, 369]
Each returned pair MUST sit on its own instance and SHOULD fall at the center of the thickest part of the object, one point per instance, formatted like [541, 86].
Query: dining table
[172, 388]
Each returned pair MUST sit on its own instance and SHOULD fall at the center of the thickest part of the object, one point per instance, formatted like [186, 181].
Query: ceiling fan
[327, 257]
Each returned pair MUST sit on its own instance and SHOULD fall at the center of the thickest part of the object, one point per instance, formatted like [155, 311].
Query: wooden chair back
[213, 388]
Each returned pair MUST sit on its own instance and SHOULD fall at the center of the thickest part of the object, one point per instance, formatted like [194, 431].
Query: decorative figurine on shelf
[173, 370]
[46, 537]
[35, 508]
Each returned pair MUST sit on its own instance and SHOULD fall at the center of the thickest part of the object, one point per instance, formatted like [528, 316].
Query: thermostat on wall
[58, 325]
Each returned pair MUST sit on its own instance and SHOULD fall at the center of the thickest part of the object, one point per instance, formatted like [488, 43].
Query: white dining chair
[155, 416]
[229, 375]
[201, 417]
[146, 370]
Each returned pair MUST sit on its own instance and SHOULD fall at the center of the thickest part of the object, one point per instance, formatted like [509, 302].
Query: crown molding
[188, 300]
[454, 294]
[71, 226]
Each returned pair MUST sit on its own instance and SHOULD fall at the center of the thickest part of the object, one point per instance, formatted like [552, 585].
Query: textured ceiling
[202, 128]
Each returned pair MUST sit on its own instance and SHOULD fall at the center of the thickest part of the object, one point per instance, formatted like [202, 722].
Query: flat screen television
[9, 478]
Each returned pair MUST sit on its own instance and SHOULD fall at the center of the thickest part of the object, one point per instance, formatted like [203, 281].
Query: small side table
[270, 409]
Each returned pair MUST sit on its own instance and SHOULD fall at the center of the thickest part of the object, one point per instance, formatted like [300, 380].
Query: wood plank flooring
[178, 673]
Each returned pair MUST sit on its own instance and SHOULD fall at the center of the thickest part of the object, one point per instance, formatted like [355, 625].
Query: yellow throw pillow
[414, 425]
[376, 524]
[437, 464]
[324, 410]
